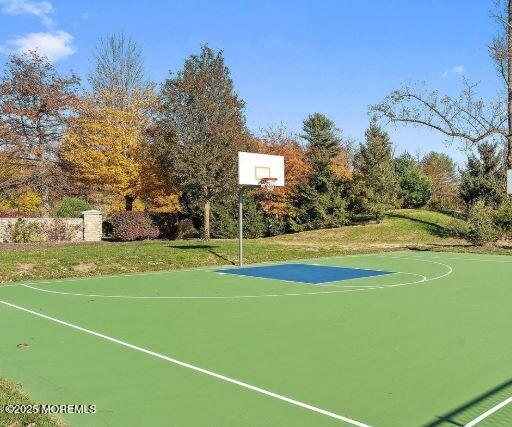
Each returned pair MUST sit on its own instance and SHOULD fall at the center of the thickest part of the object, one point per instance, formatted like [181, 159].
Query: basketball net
[268, 184]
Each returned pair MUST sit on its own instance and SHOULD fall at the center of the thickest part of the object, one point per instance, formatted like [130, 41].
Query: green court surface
[429, 345]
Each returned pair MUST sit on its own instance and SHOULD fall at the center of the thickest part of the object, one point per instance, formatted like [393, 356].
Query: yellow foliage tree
[29, 203]
[107, 149]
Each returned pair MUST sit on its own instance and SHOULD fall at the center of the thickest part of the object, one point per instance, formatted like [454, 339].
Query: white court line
[193, 367]
[488, 413]
[204, 297]
[178, 270]
[207, 297]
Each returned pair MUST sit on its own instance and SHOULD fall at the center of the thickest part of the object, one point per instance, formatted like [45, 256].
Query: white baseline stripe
[193, 367]
[489, 412]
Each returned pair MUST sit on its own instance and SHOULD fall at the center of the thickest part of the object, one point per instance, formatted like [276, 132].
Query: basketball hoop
[268, 184]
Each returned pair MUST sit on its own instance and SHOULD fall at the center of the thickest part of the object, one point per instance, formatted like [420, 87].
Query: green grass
[402, 229]
[435, 353]
[12, 394]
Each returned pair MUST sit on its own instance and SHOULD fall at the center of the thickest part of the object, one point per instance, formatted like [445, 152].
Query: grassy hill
[403, 228]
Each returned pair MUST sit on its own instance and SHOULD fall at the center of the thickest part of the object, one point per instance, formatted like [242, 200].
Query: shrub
[166, 222]
[128, 226]
[23, 231]
[504, 219]
[72, 207]
[185, 229]
[458, 228]
[57, 230]
[482, 229]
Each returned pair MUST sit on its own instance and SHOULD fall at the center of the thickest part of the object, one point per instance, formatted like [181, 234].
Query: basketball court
[392, 339]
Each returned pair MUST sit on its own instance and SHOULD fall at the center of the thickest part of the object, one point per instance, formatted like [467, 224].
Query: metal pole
[240, 228]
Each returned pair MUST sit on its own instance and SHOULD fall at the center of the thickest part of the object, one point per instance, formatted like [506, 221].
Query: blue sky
[288, 58]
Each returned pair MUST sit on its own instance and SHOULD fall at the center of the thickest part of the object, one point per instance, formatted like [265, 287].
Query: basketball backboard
[253, 167]
[509, 181]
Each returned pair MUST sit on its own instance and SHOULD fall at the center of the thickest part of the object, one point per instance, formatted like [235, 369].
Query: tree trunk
[128, 200]
[509, 85]
[206, 221]
[45, 201]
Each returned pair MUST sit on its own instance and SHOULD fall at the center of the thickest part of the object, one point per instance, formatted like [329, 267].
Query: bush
[166, 222]
[129, 226]
[223, 221]
[23, 231]
[185, 229]
[57, 230]
[72, 207]
[458, 228]
[504, 219]
[482, 229]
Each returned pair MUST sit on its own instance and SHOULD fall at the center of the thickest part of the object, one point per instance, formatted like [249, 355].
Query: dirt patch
[84, 267]
[24, 268]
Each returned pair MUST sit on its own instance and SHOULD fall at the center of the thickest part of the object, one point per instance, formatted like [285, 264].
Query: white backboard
[509, 181]
[252, 167]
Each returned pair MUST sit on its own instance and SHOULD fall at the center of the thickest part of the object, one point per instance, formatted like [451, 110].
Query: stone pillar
[93, 221]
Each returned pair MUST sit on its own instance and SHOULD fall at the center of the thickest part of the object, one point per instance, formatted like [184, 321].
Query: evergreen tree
[204, 129]
[484, 177]
[414, 186]
[320, 201]
[375, 185]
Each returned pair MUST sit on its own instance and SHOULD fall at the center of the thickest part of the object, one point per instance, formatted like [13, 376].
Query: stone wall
[88, 228]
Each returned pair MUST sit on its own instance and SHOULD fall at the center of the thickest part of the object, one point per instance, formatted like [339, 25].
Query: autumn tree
[205, 123]
[35, 105]
[107, 149]
[465, 117]
[278, 141]
[442, 172]
[375, 187]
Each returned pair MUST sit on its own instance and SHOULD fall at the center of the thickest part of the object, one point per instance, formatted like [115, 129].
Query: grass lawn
[11, 394]
[401, 229]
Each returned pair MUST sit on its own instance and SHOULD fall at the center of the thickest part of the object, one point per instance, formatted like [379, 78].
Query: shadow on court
[470, 410]
[205, 248]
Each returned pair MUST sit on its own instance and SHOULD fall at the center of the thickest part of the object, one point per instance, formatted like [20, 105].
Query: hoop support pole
[240, 227]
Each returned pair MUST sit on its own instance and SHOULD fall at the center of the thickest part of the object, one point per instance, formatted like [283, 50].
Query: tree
[320, 202]
[414, 186]
[375, 185]
[278, 141]
[442, 172]
[324, 142]
[35, 106]
[465, 117]
[118, 73]
[483, 179]
[106, 148]
[203, 129]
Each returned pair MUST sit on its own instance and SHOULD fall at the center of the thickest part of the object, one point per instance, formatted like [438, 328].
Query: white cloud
[459, 69]
[41, 9]
[54, 45]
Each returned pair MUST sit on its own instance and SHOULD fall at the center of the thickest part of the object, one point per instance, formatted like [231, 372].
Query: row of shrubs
[482, 226]
[54, 230]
